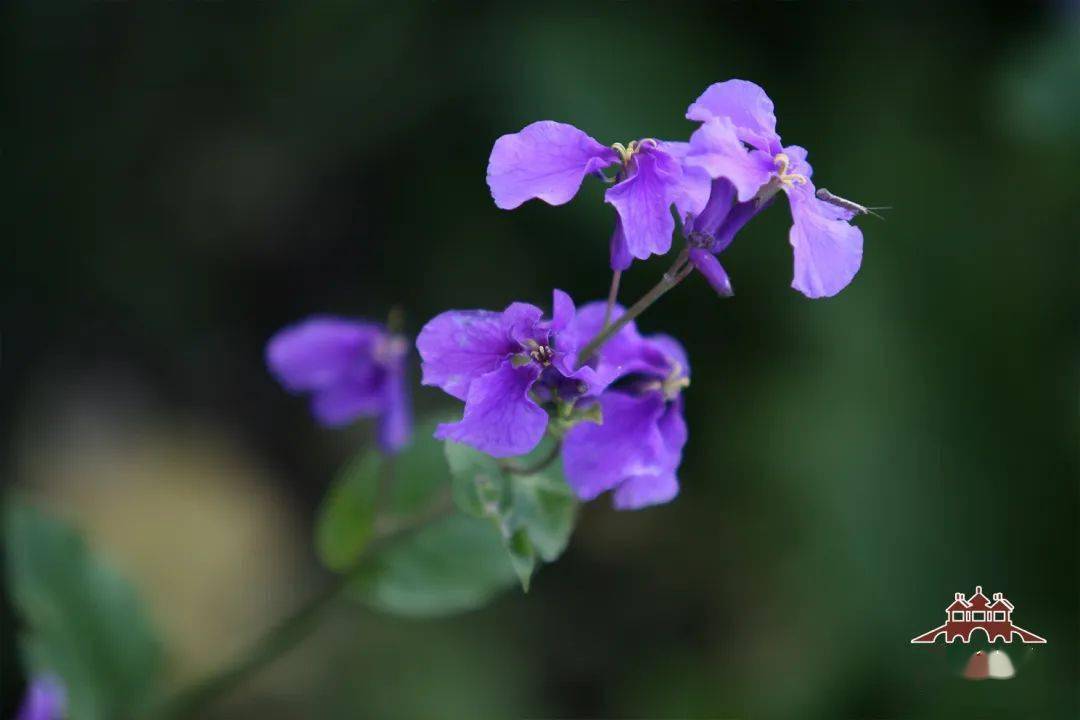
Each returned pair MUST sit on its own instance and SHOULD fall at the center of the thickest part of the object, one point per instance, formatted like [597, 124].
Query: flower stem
[613, 295]
[674, 275]
[291, 630]
[550, 457]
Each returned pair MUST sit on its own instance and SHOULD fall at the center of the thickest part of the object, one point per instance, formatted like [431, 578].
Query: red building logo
[964, 617]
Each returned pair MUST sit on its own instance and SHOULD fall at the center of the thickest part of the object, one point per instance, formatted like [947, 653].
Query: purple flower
[738, 143]
[549, 160]
[504, 365]
[637, 449]
[45, 700]
[351, 369]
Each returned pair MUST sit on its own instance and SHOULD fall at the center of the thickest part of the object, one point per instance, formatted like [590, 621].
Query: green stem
[675, 275]
[290, 631]
[537, 466]
[613, 295]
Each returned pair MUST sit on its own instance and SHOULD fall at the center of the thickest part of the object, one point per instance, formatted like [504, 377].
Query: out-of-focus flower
[351, 369]
[45, 700]
[738, 142]
[548, 160]
[503, 365]
[637, 449]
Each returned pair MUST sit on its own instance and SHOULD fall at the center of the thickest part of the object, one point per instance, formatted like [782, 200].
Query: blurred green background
[182, 179]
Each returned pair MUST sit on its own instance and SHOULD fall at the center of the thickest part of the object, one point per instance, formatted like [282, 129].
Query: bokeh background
[182, 179]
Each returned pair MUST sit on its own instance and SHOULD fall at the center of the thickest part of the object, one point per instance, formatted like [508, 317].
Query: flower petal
[644, 201]
[546, 160]
[620, 253]
[340, 404]
[641, 491]
[714, 272]
[596, 458]
[395, 423]
[828, 250]
[320, 352]
[458, 346]
[691, 194]
[748, 107]
[716, 148]
[662, 485]
[500, 419]
[562, 311]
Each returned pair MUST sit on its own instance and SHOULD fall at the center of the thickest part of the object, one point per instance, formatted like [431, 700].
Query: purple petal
[691, 193]
[828, 250]
[320, 352]
[45, 700]
[620, 253]
[522, 323]
[714, 272]
[659, 486]
[546, 160]
[596, 458]
[644, 201]
[340, 404]
[562, 311]
[641, 491]
[458, 346]
[748, 107]
[721, 200]
[395, 424]
[500, 419]
[716, 149]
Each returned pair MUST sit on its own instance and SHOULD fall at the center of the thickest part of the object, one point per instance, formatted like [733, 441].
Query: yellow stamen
[783, 162]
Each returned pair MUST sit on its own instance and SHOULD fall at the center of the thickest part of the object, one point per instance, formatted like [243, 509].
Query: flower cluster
[611, 396]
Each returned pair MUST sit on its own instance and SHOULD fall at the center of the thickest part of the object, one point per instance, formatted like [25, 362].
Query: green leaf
[545, 507]
[533, 514]
[450, 566]
[418, 472]
[347, 516]
[83, 622]
[522, 556]
[479, 486]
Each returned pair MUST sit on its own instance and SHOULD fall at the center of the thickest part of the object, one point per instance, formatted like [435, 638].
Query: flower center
[783, 163]
[541, 354]
[626, 152]
[672, 385]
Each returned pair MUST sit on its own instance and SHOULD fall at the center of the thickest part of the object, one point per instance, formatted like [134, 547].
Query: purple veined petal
[662, 485]
[716, 149]
[522, 323]
[395, 424]
[707, 264]
[644, 201]
[620, 252]
[546, 160]
[562, 311]
[597, 458]
[721, 200]
[828, 250]
[749, 108]
[797, 156]
[340, 404]
[45, 700]
[320, 351]
[692, 192]
[458, 346]
[673, 352]
[500, 418]
[642, 491]
[619, 356]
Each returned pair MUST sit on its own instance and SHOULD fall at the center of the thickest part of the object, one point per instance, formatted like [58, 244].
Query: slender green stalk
[613, 295]
[193, 701]
[550, 457]
[675, 275]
